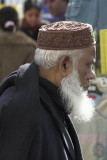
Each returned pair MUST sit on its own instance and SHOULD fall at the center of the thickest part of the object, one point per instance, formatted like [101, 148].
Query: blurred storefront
[18, 4]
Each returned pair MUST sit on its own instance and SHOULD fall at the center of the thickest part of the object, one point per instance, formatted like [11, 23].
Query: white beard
[75, 99]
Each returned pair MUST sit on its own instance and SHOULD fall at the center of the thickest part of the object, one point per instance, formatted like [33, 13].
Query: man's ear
[64, 66]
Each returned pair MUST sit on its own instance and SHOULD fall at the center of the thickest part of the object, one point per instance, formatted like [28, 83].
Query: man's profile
[36, 100]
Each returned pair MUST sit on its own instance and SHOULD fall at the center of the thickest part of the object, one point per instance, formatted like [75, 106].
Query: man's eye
[92, 67]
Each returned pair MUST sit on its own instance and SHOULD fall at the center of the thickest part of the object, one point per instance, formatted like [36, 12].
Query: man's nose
[91, 75]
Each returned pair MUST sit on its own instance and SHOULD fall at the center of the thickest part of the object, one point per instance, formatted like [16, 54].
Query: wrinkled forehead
[89, 54]
[90, 50]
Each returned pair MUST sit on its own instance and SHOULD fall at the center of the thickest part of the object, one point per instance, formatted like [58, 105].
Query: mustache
[85, 86]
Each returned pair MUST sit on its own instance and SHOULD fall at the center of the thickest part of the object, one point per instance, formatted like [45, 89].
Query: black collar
[53, 91]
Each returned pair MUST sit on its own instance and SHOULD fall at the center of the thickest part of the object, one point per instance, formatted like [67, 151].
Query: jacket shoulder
[26, 38]
[7, 96]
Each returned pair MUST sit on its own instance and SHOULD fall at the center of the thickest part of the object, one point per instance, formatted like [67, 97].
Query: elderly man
[36, 101]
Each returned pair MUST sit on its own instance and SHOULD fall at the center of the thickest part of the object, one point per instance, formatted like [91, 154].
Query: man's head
[69, 69]
[56, 7]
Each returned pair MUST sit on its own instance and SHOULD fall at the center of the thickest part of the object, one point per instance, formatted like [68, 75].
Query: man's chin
[84, 108]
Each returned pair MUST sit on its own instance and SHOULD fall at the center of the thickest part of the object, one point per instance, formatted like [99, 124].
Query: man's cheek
[83, 78]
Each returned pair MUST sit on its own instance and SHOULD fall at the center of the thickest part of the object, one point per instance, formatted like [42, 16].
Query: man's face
[85, 67]
[54, 7]
[72, 88]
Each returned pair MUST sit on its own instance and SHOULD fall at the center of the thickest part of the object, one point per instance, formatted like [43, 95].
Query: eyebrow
[92, 61]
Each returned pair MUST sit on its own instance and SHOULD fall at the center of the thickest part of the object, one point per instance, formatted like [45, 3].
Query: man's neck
[47, 75]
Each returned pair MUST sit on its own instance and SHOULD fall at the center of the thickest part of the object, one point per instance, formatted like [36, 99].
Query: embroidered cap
[65, 35]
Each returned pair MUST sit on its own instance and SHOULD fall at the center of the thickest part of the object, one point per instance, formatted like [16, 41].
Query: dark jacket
[30, 126]
[16, 49]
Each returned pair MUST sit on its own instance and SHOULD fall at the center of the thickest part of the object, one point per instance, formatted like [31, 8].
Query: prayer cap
[65, 35]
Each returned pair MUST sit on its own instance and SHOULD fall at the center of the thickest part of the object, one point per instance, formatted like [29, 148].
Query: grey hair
[49, 58]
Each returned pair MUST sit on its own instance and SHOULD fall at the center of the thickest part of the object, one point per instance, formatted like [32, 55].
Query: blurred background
[20, 21]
